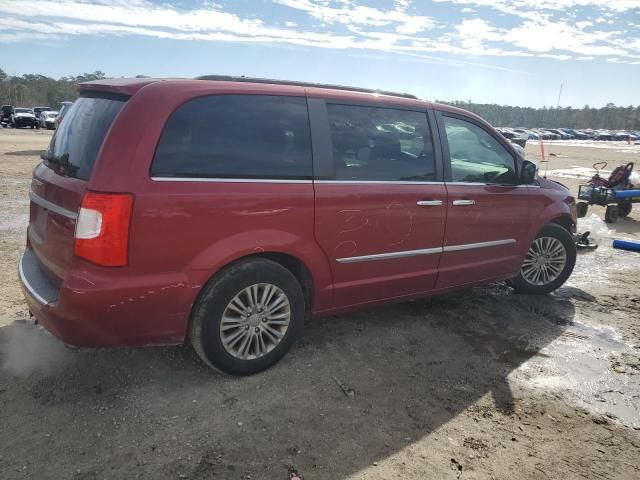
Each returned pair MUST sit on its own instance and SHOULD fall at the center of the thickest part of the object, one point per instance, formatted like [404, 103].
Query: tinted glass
[371, 143]
[75, 145]
[476, 156]
[236, 136]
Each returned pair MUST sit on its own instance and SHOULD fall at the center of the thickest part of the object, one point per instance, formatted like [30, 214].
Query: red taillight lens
[102, 229]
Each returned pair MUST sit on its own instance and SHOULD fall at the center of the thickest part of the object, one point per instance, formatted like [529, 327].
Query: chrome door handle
[429, 203]
[464, 202]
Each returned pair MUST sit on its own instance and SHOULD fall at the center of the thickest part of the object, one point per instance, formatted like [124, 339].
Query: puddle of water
[597, 265]
[579, 363]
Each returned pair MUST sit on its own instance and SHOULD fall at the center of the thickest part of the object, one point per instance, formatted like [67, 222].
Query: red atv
[599, 191]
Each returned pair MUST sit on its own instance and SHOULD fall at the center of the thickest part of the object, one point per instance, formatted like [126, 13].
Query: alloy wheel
[545, 261]
[255, 321]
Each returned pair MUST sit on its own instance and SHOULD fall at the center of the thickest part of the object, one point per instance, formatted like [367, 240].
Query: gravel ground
[480, 384]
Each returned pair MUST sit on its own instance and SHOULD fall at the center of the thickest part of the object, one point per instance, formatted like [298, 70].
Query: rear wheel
[582, 208]
[611, 214]
[548, 263]
[248, 317]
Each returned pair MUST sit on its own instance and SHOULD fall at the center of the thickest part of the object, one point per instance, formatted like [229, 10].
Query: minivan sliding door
[379, 199]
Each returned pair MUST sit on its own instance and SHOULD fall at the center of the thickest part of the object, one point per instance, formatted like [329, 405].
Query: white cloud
[545, 36]
[337, 24]
[508, 6]
[554, 56]
[358, 15]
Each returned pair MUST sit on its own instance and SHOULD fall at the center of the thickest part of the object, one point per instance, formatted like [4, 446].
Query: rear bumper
[94, 309]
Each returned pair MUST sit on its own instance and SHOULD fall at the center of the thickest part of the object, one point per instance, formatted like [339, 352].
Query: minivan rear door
[380, 206]
[59, 182]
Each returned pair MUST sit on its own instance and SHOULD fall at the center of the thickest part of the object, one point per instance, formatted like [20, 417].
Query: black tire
[624, 208]
[611, 214]
[207, 314]
[522, 285]
[582, 208]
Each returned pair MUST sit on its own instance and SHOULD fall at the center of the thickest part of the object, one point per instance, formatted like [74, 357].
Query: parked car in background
[277, 202]
[603, 135]
[64, 106]
[5, 115]
[578, 135]
[624, 135]
[547, 135]
[563, 135]
[518, 138]
[531, 135]
[48, 119]
[22, 117]
[37, 111]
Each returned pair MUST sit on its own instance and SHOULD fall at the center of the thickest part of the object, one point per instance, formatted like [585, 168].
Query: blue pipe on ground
[626, 245]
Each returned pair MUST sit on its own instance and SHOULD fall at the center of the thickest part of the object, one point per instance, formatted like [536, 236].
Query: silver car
[48, 119]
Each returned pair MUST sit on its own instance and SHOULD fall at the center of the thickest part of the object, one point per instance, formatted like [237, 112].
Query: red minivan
[225, 211]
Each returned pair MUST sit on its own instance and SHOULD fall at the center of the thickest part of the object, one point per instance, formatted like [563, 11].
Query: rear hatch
[60, 181]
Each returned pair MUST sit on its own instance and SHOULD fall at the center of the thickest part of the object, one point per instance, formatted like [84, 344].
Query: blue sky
[515, 52]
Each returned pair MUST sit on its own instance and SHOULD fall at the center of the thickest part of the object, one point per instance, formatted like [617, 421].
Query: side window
[384, 144]
[236, 136]
[476, 156]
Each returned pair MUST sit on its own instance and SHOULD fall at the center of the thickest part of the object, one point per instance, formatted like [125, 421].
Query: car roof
[228, 84]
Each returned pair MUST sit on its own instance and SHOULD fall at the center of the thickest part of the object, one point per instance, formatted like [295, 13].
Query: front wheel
[624, 208]
[248, 317]
[548, 263]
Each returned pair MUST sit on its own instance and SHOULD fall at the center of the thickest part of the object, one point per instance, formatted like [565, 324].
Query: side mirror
[528, 173]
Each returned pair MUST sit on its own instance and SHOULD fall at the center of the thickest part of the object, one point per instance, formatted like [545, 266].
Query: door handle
[464, 202]
[429, 203]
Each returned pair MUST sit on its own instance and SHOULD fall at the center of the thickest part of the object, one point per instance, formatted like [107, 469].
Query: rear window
[75, 145]
[236, 136]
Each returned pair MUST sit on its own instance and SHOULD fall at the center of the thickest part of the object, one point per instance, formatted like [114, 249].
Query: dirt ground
[480, 384]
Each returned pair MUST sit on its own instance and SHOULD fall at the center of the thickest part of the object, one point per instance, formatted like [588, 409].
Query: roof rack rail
[231, 78]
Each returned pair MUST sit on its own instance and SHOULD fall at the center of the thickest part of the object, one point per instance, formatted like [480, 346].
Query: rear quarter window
[77, 141]
[236, 136]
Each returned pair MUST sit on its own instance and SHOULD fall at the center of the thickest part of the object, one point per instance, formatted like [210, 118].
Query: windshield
[22, 110]
[75, 145]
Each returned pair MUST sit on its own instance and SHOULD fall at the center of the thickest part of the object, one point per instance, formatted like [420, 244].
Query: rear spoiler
[119, 86]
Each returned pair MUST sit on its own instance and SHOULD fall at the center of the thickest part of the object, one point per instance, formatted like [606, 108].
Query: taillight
[102, 229]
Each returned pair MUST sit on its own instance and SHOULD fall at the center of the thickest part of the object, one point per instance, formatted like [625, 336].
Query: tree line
[33, 89]
[610, 117]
